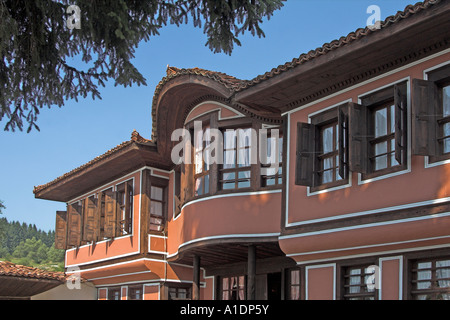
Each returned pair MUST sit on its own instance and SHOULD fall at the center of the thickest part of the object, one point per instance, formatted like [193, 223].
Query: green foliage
[36, 44]
[25, 244]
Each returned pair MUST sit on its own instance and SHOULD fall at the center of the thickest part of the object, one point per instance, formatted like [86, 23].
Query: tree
[2, 206]
[38, 37]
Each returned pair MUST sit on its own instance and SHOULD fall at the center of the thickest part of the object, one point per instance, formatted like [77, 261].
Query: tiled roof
[15, 270]
[335, 44]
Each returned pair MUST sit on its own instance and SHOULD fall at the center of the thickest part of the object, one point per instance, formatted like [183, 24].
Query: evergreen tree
[38, 37]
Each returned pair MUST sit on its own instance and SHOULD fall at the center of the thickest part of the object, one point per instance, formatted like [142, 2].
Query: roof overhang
[124, 159]
[13, 287]
[404, 38]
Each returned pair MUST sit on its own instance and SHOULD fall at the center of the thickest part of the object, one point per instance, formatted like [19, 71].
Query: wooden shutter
[358, 153]
[61, 230]
[128, 206]
[110, 214]
[400, 108]
[90, 232]
[424, 110]
[304, 167]
[343, 140]
[74, 224]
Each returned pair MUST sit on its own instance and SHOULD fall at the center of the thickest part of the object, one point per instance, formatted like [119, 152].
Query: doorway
[274, 286]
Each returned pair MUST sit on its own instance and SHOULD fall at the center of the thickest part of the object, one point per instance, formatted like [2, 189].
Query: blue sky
[78, 132]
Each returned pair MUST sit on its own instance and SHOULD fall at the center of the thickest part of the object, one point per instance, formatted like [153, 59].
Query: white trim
[368, 212]
[366, 246]
[400, 276]
[110, 265]
[228, 236]
[371, 254]
[238, 194]
[121, 275]
[427, 163]
[333, 265]
[368, 225]
[239, 114]
[384, 75]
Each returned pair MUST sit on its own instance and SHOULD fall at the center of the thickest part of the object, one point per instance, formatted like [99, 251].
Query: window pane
[381, 161]
[327, 140]
[207, 183]
[327, 175]
[199, 186]
[392, 111]
[381, 122]
[156, 193]
[446, 142]
[156, 208]
[446, 100]
[229, 157]
[394, 162]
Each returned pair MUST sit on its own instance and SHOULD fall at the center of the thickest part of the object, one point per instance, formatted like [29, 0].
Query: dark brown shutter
[128, 206]
[400, 108]
[110, 214]
[74, 224]
[100, 215]
[424, 111]
[342, 140]
[358, 136]
[91, 219]
[61, 230]
[304, 167]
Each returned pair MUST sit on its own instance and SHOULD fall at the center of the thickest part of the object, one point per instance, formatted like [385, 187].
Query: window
[114, 293]
[179, 293]
[125, 208]
[355, 283]
[202, 142]
[135, 293]
[157, 207]
[431, 115]
[431, 279]
[294, 284]
[322, 152]
[273, 177]
[236, 169]
[233, 288]
[382, 119]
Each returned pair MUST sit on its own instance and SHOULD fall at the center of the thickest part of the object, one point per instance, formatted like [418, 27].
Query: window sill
[383, 174]
[329, 187]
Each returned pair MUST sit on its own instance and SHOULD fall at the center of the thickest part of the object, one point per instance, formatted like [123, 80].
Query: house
[324, 178]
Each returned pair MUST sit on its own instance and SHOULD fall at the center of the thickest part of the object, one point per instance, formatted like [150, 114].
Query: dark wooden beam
[196, 279]
[251, 273]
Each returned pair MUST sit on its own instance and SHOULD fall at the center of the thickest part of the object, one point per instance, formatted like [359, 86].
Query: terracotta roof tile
[15, 270]
[335, 44]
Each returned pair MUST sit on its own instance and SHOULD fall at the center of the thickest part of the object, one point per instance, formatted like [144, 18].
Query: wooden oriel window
[235, 172]
[431, 115]
[322, 150]
[355, 283]
[233, 288]
[430, 279]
